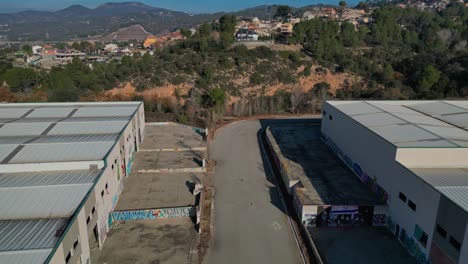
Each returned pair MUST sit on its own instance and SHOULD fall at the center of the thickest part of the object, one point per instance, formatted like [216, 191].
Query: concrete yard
[165, 241]
[359, 246]
[158, 190]
[154, 184]
[155, 160]
[170, 137]
[326, 178]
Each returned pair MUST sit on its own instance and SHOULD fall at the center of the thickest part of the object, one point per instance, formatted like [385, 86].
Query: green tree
[26, 49]
[21, 79]
[321, 90]
[342, 4]
[186, 32]
[363, 6]
[429, 78]
[388, 73]
[283, 11]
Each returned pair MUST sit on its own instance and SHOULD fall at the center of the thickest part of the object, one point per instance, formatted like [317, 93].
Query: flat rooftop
[158, 190]
[35, 204]
[327, 181]
[359, 245]
[412, 123]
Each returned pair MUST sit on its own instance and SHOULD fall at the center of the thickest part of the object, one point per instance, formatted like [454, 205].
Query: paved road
[250, 226]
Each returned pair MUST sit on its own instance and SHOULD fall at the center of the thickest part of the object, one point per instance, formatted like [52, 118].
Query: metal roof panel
[69, 128]
[62, 152]
[443, 177]
[403, 133]
[41, 178]
[6, 113]
[378, 119]
[5, 150]
[29, 234]
[50, 112]
[357, 108]
[23, 129]
[435, 108]
[105, 111]
[459, 195]
[53, 201]
[25, 256]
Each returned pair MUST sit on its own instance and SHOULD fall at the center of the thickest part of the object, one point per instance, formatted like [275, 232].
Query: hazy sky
[190, 6]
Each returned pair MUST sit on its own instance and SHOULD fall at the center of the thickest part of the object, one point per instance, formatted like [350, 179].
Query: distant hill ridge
[77, 21]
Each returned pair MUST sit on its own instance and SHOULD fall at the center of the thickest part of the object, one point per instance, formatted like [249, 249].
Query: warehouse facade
[414, 154]
[62, 169]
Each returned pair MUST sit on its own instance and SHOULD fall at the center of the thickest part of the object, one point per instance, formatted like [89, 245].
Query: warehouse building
[414, 154]
[62, 169]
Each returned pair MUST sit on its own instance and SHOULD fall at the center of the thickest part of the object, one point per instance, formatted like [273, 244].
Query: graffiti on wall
[340, 216]
[413, 247]
[362, 175]
[153, 214]
[379, 220]
[130, 163]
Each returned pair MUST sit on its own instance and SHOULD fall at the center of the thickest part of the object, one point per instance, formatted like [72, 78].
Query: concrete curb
[174, 149]
[171, 170]
[212, 218]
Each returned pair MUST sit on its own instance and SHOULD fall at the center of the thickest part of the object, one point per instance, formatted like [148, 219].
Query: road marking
[276, 226]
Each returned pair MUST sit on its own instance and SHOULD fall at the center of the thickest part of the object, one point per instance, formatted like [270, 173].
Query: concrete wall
[464, 250]
[103, 197]
[376, 158]
[453, 220]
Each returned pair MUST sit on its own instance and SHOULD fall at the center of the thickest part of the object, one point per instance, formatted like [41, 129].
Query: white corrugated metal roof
[52, 201]
[420, 119]
[74, 139]
[436, 108]
[62, 152]
[459, 195]
[23, 129]
[357, 108]
[50, 112]
[378, 119]
[448, 132]
[443, 177]
[14, 140]
[411, 123]
[403, 133]
[37, 120]
[25, 256]
[96, 119]
[5, 150]
[462, 104]
[460, 120]
[6, 113]
[105, 111]
[41, 178]
[69, 128]
[29, 234]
